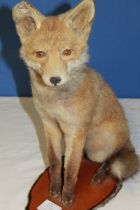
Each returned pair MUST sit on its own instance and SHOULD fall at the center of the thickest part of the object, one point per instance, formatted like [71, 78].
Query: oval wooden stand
[88, 195]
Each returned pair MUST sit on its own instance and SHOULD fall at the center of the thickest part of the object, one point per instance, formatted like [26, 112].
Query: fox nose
[55, 80]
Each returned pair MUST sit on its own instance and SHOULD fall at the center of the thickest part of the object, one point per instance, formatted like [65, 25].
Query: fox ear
[27, 19]
[81, 17]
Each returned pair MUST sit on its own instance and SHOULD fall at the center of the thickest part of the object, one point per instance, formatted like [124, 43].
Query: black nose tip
[55, 80]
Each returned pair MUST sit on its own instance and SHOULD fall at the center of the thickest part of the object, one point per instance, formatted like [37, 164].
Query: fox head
[56, 46]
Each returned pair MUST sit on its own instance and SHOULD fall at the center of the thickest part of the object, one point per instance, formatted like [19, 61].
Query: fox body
[79, 111]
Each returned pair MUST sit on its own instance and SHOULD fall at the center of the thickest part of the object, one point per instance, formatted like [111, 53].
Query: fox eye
[67, 52]
[40, 54]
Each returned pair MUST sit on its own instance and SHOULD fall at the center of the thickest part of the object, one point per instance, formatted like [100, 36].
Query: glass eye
[40, 54]
[67, 52]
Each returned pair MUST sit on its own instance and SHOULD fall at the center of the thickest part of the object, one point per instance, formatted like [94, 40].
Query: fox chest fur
[64, 104]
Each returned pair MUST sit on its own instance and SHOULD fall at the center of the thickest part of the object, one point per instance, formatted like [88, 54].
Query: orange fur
[80, 112]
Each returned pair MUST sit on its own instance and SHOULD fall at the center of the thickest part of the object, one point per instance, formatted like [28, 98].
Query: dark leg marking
[55, 174]
[101, 173]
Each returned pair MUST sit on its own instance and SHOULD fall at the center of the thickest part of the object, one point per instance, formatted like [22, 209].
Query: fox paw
[55, 192]
[67, 199]
[101, 174]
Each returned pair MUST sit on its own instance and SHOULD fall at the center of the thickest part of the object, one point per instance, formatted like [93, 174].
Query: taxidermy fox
[79, 111]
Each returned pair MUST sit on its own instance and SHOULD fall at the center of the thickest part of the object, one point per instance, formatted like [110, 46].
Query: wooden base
[88, 195]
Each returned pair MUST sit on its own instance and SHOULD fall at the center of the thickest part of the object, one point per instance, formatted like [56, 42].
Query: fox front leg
[53, 138]
[73, 155]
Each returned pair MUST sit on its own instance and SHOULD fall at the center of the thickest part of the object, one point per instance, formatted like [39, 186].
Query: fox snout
[54, 75]
[52, 81]
[55, 80]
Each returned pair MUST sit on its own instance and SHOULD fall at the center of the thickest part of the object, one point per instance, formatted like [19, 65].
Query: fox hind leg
[101, 173]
